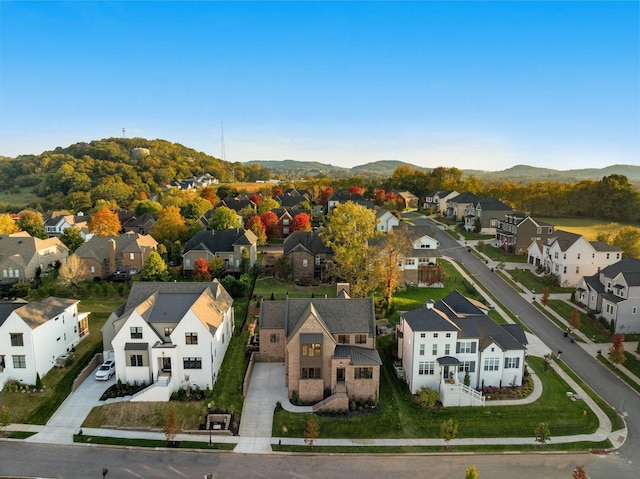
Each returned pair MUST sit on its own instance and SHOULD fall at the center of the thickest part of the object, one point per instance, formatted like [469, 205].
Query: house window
[311, 373]
[607, 255]
[274, 338]
[491, 364]
[343, 339]
[448, 335]
[422, 350]
[305, 263]
[447, 349]
[555, 255]
[465, 347]
[19, 362]
[577, 269]
[363, 373]
[191, 338]
[135, 360]
[511, 363]
[311, 349]
[16, 339]
[564, 256]
[617, 255]
[131, 256]
[434, 349]
[187, 263]
[192, 363]
[167, 332]
[410, 262]
[539, 231]
[435, 335]
[634, 310]
[92, 269]
[423, 335]
[564, 270]
[136, 332]
[361, 339]
[426, 368]
[578, 255]
[468, 366]
[2, 366]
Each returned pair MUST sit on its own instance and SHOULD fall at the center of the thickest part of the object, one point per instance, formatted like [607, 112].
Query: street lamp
[209, 421]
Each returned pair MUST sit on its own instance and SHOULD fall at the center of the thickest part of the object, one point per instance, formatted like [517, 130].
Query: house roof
[26, 246]
[465, 197]
[98, 246]
[628, 267]
[6, 308]
[39, 312]
[339, 315]
[220, 240]
[563, 239]
[602, 246]
[308, 240]
[358, 356]
[492, 204]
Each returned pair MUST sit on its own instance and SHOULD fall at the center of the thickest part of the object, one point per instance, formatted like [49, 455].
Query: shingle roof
[465, 197]
[309, 240]
[629, 267]
[564, 239]
[358, 356]
[98, 246]
[221, 240]
[39, 312]
[7, 308]
[492, 204]
[602, 246]
[25, 245]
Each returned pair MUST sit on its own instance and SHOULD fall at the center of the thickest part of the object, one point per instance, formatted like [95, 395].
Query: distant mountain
[383, 168]
[293, 169]
[525, 172]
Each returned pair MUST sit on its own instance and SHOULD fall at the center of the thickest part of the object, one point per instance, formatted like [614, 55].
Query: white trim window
[511, 363]
[492, 364]
[426, 368]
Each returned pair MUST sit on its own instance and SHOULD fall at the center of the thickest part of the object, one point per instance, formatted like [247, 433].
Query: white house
[170, 335]
[442, 342]
[438, 200]
[570, 256]
[614, 293]
[33, 335]
[386, 220]
[418, 264]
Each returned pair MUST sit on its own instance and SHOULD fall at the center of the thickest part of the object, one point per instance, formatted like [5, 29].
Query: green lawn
[265, 286]
[500, 255]
[533, 283]
[586, 227]
[603, 359]
[590, 327]
[632, 363]
[400, 417]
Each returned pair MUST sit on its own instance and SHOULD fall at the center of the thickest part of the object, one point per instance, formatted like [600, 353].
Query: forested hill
[116, 164]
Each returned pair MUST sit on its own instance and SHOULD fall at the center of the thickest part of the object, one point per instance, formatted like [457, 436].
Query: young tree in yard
[71, 238]
[545, 297]
[201, 270]
[579, 473]
[215, 266]
[105, 223]
[171, 428]
[389, 251]
[7, 225]
[448, 431]
[347, 233]
[301, 222]
[311, 433]
[33, 223]
[616, 351]
[5, 418]
[154, 268]
[471, 472]
[271, 223]
[224, 218]
[72, 272]
[325, 195]
[542, 433]
[170, 226]
[255, 225]
[574, 319]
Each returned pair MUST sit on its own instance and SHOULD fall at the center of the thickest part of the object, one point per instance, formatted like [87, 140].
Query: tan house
[327, 345]
[232, 245]
[22, 255]
[104, 256]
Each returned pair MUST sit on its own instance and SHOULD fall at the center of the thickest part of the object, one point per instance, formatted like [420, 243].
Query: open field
[20, 200]
[589, 228]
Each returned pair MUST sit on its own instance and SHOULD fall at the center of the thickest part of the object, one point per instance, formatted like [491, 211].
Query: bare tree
[72, 273]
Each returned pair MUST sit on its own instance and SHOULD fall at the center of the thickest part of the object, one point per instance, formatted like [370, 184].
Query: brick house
[308, 255]
[327, 345]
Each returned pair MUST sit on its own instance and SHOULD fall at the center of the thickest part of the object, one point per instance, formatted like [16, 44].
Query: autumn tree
[147, 206]
[255, 225]
[616, 351]
[201, 270]
[311, 433]
[170, 226]
[574, 319]
[171, 428]
[72, 272]
[325, 195]
[209, 194]
[356, 190]
[471, 472]
[386, 255]
[196, 207]
[378, 197]
[628, 240]
[5, 417]
[448, 431]
[223, 218]
[579, 473]
[105, 223]
[33, 223]
[72, 238]
[301, 222]
[546, 300]
[7, 225]
[542, 433]
[347, 233]
[272, 224]
[154, 268]
[257, 199]
[267, 204]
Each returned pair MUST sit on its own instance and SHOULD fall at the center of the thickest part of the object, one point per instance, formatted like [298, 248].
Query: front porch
[452, 391]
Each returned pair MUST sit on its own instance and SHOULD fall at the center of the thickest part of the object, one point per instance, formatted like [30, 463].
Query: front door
[166, 364]
[340, 374]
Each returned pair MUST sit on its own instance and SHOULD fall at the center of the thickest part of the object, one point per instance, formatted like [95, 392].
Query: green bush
[427, 397]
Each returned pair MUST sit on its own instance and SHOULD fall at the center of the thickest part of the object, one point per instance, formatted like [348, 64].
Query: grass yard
[632, 363]
[119, 441]
[21, 199]
[497, 254]
[590, 327]
[400, 417]
[533, 283]
[265, 286]
[471, 236]
[589, 228]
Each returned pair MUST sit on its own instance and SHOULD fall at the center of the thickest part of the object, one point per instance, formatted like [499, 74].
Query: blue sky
[482, 85]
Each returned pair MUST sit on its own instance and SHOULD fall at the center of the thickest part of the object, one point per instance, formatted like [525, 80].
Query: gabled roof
[6, 308]
[603, 246]
[358, 356]
[628, 267]
[428, 319]
[26, 246]
[220, 240]
[39, 312]
[465, 197]
[563, 239]
[491, 204]
[98, 246]
[236, 204]
[308, 240]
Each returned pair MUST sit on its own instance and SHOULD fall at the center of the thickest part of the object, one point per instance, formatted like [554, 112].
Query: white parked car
[106, 370]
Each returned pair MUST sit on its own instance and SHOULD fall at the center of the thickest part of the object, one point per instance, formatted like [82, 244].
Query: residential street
[612, 389]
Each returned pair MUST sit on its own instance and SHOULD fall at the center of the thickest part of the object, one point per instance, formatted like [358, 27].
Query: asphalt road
[601, 380]
[19, 459]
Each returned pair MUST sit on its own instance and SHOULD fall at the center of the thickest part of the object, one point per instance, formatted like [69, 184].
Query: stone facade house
[307, 255]
[22, 256]
[104, 256]
[443, 341]
[327, 346]
[614, 294]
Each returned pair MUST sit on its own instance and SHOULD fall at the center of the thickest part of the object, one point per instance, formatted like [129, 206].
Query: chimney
[429, 304]
[342, 287]
[112, 255]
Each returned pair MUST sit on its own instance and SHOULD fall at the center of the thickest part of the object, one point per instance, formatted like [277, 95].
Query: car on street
[106, 370]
